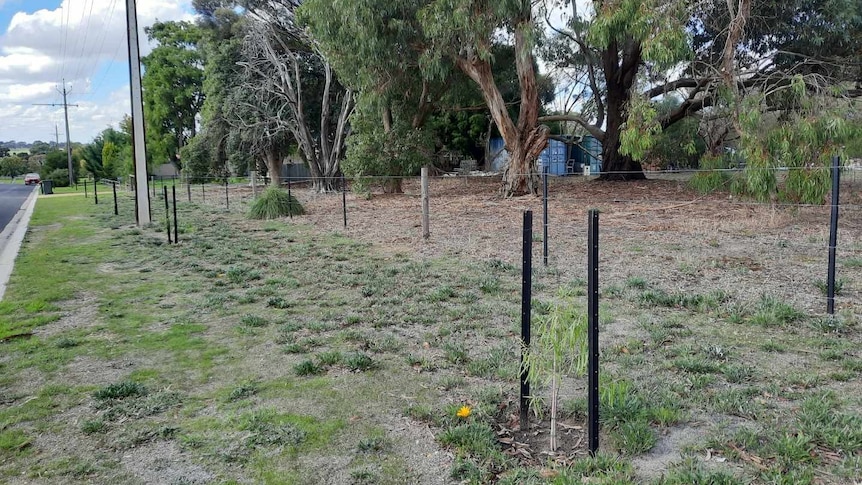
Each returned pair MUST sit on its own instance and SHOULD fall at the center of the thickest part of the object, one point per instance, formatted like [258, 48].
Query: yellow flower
[464, 412]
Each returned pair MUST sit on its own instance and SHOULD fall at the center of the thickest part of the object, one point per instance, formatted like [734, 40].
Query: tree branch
[592, 129]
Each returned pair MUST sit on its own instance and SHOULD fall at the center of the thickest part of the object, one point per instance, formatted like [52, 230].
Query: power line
[86, 34]
[120, 44]
[65, 28]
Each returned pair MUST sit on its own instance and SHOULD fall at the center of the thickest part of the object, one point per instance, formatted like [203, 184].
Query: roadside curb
[12, 237]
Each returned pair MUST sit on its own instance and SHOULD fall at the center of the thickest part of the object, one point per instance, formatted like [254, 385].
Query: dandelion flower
[464, 412]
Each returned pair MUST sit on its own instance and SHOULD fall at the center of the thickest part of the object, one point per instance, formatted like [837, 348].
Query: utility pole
[142, 192]
[65, 106]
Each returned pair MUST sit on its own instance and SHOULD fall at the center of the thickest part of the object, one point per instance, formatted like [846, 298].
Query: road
[11, 199]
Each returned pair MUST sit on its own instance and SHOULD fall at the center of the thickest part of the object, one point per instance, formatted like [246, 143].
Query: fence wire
[657, 236]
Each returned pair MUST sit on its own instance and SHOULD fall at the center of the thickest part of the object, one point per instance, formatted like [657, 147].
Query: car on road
[32, 179]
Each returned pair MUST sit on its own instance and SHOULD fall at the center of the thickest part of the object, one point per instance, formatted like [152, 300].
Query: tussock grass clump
[274, 203]
[120, 390]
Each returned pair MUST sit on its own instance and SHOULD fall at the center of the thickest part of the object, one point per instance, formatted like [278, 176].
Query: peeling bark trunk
[525, 140]
[273, 167]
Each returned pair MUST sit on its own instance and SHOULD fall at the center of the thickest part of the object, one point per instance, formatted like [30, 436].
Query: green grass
[272, 352]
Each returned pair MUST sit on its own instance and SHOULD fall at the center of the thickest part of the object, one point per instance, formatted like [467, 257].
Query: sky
[43, 42]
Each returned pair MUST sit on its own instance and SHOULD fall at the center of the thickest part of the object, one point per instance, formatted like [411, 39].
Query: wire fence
[658, 235]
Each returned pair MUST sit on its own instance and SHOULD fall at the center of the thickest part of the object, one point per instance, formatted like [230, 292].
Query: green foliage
[680, 145]
[559, 344]
[656, 26]
[274, 203]
[472, 438]
[12, 166]
[373, 152]
[109, 154]
[712, 177]
[60, 177]
[172, 82]
[120, 390]
[802, 142]
[641, 129]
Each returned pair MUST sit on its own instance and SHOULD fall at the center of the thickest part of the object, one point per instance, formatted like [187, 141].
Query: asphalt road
[12, 197]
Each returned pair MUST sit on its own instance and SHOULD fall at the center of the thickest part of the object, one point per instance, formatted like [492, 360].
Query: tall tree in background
[172, 84]
[463, 33]
[374, 47]
[625, 47]
[222, 32]
[294, 80]
[105, 156]
[713, 54]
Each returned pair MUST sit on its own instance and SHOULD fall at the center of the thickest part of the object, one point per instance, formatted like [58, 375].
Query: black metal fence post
[545, 215]
[289, 199]
[189, 191]
[167, 212]
[526, 303]
[593, 331]
[203, 192]
[344, 198]
[116, 210]
[96, 191]
[226, 197]
[176, 227]
[85, 188]
[833, 237]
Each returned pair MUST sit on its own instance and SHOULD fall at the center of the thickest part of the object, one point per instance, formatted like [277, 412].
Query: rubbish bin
[47, 187]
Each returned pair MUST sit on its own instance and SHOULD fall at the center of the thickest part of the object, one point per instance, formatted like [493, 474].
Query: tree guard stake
[833, 237]
[526, 296]
[593, 331]
[176, 228]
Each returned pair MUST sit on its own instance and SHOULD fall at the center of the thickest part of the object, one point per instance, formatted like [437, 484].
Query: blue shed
[558, 157]
[589, 152]
[555, 157]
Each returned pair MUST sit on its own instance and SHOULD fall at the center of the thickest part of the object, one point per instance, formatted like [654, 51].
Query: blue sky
[81, 41]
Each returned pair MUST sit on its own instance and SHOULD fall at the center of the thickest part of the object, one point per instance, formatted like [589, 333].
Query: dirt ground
[659, 230]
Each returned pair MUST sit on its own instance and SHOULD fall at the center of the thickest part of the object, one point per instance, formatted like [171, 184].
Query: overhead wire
[64, 24]
[94, 86]
[82, 56]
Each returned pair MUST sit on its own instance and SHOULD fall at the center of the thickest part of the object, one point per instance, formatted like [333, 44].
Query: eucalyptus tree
[729, 58]
[464, 33]
[172, 82]
[287, 75]
[374, 47]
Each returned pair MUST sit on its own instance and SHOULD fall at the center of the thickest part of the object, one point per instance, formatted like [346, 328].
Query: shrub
[59, 177]
[275, 203]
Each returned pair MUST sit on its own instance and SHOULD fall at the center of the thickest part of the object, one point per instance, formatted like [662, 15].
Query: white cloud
[71, 42]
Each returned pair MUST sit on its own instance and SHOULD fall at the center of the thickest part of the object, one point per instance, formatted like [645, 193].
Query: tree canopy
[172, 83]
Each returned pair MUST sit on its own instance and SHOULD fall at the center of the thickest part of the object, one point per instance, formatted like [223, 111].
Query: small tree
[558, 348]
[400, 151]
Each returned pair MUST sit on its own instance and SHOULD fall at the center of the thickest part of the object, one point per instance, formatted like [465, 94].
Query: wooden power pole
[65, 106]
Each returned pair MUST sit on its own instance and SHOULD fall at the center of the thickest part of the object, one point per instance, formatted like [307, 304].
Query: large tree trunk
[525, 140]
[273, 167]
[615, 165]
[521, 176]
[620, 75]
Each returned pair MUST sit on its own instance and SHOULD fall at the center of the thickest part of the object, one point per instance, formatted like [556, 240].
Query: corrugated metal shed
[589, 152]
[560, 157]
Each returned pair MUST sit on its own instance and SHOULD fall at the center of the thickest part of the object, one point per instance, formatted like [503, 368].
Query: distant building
[166, 170]
[561, 158]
